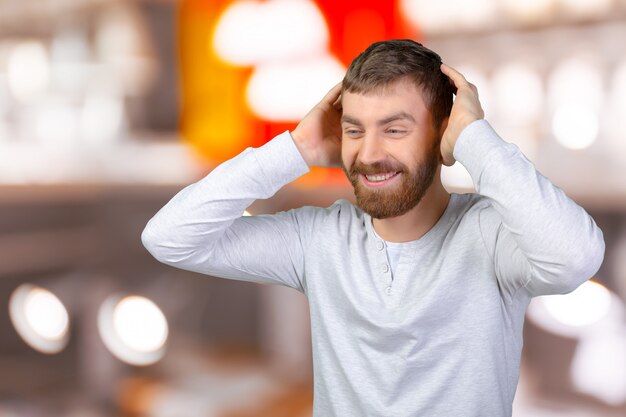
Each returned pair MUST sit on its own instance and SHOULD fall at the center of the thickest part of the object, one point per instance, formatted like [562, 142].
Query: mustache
[379, 167]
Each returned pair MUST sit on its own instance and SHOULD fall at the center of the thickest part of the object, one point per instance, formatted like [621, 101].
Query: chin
[384, 210]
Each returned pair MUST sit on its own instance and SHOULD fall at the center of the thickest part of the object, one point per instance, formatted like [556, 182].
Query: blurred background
[109, 107]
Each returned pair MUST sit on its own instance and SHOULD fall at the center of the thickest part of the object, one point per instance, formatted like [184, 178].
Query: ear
[443, 127]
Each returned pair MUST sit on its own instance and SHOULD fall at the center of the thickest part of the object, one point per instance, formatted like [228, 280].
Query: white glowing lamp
[429, 16]
[585, 306]
[576, 99]
[251, 32]
[575, 125]
[576, 79]
[518, 93]
[575, 314]
[599, 365]
[286, 91]
[40, 318]
[529, 11]
[477, 76]
[616, 115]
[5, 104]
[475, 14]
[56, 124]
[444, 16]
[28, 70]
[103, 115]
[587, 8]
[134, 329]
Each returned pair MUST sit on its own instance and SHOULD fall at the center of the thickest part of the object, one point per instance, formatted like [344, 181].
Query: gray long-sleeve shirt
[444, 336]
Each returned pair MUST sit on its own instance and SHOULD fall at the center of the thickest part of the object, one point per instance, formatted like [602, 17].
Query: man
[417, 296]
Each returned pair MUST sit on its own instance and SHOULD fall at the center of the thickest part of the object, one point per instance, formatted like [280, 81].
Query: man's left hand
[465, 110]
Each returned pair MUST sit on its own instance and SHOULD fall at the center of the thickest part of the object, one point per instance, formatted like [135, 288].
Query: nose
[371, 150]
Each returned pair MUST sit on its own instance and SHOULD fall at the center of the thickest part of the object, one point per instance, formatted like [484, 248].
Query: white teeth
[383, 177]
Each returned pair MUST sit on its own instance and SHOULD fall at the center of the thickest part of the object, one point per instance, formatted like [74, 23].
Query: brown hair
[387, 61]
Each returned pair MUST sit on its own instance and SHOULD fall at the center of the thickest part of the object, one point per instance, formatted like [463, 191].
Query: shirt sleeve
[543, 241]
[202, 229]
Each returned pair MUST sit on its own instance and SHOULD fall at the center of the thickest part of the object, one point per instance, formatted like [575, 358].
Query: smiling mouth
[380, 177]
[379, 180]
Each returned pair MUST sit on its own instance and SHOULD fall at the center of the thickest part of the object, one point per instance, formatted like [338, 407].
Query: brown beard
[383, 204]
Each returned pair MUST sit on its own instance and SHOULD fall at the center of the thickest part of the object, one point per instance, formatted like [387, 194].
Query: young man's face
[390, 149]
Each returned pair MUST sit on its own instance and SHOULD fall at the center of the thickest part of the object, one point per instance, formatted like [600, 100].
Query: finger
[337, 104]
[457, 78]
[449, 161]
[333, 95]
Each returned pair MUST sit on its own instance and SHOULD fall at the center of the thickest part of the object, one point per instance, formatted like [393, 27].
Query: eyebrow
[402, 115]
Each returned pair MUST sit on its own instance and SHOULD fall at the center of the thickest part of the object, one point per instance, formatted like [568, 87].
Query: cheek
[348, 153]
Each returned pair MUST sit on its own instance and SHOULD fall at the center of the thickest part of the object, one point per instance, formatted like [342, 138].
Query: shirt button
[388, 290]
[384, 268]
[380, 245]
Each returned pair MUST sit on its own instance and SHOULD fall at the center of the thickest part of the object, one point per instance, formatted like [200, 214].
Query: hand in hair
[465, 110]
[318, 135]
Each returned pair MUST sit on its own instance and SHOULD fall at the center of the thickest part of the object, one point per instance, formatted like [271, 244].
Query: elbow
[593, 254]
[158, 244]
[150, 241]
[165, 248]
[571, 262]
[586, 260]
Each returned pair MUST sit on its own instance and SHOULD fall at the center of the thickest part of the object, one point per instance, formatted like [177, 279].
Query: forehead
[399, 96]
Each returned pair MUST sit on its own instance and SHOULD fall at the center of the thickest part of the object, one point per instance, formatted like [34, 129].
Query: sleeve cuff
[474, 145]
[281, 157]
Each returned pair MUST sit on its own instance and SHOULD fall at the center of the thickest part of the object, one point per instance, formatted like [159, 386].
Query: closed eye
[352, 132]
[396, 132]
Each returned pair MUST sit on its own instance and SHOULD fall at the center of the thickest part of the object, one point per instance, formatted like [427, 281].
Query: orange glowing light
[217, 119]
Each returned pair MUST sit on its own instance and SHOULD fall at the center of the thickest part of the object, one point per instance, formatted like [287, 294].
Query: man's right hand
[318, 135]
